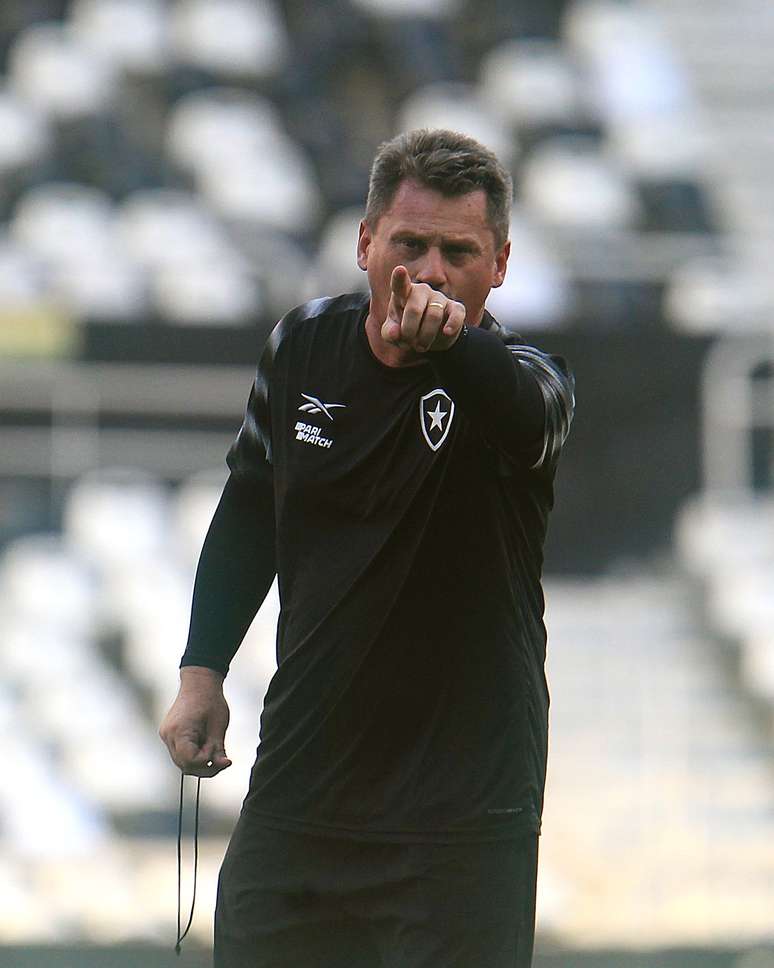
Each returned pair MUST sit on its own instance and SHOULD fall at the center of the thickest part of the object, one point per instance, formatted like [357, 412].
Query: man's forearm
[517, 404]
[236, 568]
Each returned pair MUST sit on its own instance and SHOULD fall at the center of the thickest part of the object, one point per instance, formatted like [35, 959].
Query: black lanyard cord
[180, 936]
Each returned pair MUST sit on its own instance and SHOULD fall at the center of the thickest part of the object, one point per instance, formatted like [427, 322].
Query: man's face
[446, 243]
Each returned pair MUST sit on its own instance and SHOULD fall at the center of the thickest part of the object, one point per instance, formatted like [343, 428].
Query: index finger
[400, 285]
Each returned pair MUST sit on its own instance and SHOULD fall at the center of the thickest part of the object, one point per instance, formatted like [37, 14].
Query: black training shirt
[410, 508]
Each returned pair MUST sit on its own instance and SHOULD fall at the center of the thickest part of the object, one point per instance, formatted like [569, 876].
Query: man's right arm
[236, 568]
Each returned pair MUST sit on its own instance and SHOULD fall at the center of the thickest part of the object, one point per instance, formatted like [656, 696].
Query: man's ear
[363, 242]
[501, 264]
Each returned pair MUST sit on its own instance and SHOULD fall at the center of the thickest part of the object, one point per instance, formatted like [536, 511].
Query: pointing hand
[420, 318]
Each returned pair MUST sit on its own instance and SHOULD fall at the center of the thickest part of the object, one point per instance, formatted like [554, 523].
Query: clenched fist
[194, 729]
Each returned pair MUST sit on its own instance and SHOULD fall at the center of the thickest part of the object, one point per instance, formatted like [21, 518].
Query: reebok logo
[313, 405]
[309, 434]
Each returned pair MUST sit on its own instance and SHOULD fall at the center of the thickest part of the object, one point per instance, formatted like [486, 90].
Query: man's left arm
[522, 400]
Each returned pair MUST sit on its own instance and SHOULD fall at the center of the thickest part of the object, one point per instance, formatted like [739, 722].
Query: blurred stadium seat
[133, 33]
[38, 562]
[165, 226]
[64, 222]
[196, 274]
[116, 517]
[661, 147]
[220, 125]
[461, 108]
[633, 73]
[70, 229]
[715, 294]
[536, 290]
[335, 266]
[568, 182]
[59, 75]
[234, 38]
[24, 133]
[531, 83]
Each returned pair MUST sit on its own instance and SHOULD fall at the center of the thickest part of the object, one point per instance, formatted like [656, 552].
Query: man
[395, 468]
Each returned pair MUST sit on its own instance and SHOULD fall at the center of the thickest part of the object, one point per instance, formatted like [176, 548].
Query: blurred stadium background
[176, 175]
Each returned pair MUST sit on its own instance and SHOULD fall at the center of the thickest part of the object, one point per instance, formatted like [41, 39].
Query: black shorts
[296, 900]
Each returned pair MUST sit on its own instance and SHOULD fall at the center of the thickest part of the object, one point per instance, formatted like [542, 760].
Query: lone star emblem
[436, 421]
[436, 417]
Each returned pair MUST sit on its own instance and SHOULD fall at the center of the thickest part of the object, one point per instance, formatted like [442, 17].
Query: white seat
[231, 38]
[714, 295]
[98, 703]
[276, 189]
[568, 183]
[64, 222]
[531, 82]
[458, 107]
[212, 294]
[221, 123]
[59, 75]
[632, 71]
[673, 146]
[243, 162]
[535, 292]
[87, 270]
[195, 274]
[266, 248]
[165, 227]
[116, 517]
[335, 268]
[31, 568]
[132, 33]
[25, 137]
[34, 656]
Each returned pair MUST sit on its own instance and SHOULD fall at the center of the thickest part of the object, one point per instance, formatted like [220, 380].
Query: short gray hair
[446, 161]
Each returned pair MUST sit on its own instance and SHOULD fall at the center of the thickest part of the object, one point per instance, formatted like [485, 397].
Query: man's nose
[431, 269]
